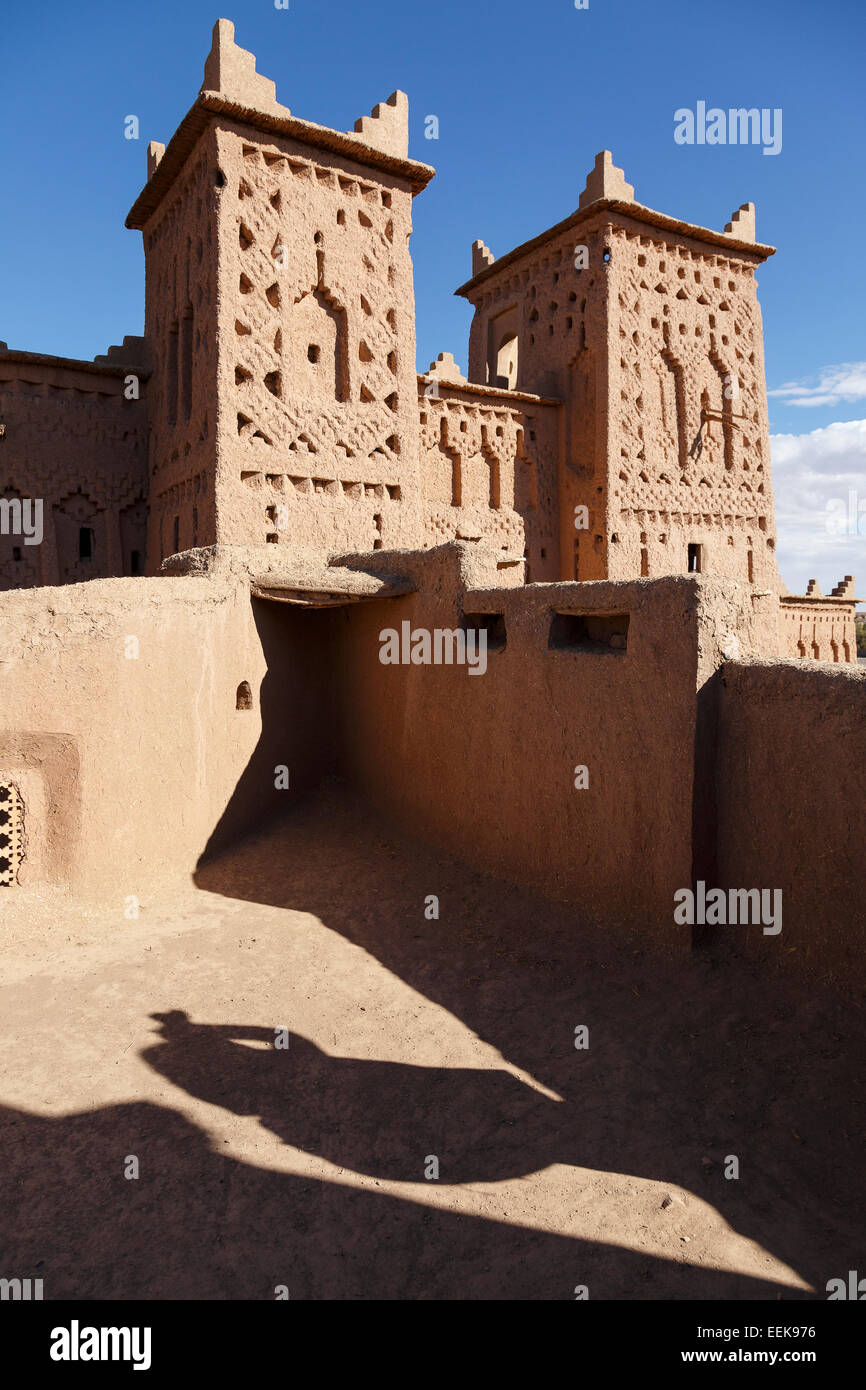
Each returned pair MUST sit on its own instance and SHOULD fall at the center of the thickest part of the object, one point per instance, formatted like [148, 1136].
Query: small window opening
[85, 543]
[589, 632]
[313, 352]
[135, 562]
[491, 623]
[695, 559]
[244, 697]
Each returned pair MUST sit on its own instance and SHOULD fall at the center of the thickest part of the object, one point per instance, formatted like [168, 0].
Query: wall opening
[244, 696]
[491, 623]
[133, 536]
[502, 349]
[85, 543]
[589, 632]
[506, 362]
[695, 559]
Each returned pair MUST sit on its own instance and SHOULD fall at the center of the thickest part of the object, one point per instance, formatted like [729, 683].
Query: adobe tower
[280, 315]
[649, 330]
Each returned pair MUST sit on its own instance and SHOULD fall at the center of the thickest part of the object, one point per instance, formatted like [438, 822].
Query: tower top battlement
[234, 90]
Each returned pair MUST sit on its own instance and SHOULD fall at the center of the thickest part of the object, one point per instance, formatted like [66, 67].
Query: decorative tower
[280, 321]
[648, 330]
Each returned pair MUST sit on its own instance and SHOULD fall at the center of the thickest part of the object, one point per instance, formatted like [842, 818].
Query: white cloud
[819, 482]
[846, 382]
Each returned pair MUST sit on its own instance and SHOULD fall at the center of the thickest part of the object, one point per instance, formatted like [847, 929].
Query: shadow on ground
[197, 1224]
[689, 1061]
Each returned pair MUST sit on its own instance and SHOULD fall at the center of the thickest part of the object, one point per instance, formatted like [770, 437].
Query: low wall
[484, 765]
[131, 766]
[622, 743]
[790, 793]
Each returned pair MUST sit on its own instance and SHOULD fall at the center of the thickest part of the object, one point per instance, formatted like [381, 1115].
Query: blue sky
[525, 94]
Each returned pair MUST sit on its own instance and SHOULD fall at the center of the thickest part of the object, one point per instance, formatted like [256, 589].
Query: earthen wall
[72, 438]
[791, 749]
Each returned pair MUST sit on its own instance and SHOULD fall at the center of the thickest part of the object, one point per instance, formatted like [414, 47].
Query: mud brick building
[262, 483]
[613, 424]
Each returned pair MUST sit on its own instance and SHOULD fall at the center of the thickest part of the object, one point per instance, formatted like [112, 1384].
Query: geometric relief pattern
[302, 336]
[688, 333]
[11, 833]
[469, 456]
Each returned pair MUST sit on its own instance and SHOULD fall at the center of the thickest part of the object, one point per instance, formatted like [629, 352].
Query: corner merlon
[387, 126]
[482, 257]
[155, 151]
[742, 223]
[231, 71]
[845, 588]
[445, 369]
[605, 180]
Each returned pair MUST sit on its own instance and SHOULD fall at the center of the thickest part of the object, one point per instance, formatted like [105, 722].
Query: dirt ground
[409, 1039]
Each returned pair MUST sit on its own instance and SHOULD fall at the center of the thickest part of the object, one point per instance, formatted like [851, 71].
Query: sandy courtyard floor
[409, 1039]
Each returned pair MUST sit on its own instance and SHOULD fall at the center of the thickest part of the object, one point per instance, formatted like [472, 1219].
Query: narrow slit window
[186, 364]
